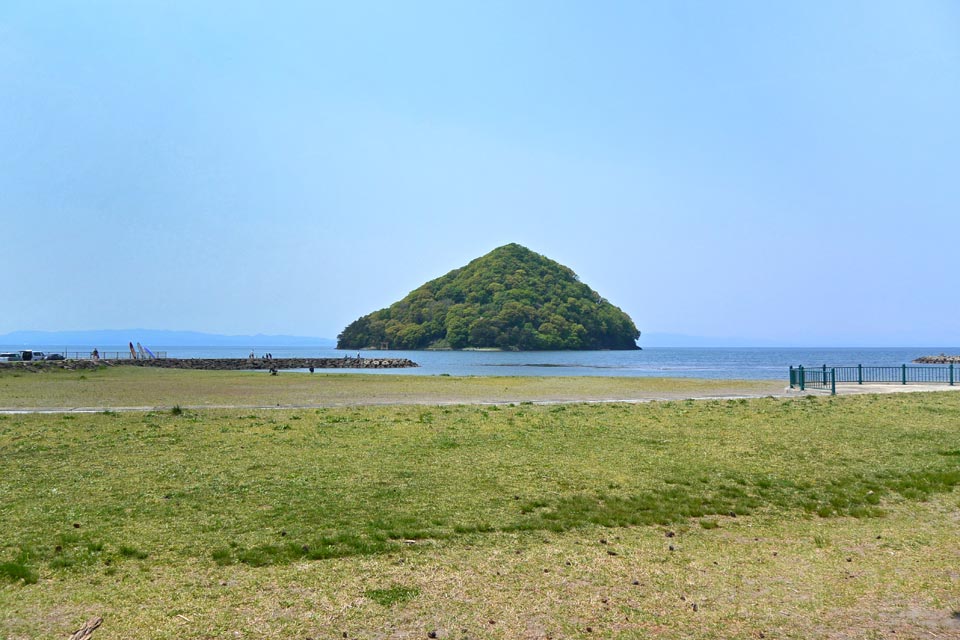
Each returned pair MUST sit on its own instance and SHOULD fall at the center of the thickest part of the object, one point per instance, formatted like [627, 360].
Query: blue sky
[782, 172]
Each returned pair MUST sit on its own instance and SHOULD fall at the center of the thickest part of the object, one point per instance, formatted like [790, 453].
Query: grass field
[166, 388]
[800, 518]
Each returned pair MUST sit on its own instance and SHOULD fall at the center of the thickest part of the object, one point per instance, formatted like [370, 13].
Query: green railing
[824, 377]
[814, 378]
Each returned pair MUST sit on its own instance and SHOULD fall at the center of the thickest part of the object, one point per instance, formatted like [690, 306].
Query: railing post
[833, 382]
[802, 381]
[903, 374]
[791, 376]
[859, 374]
[951, 374]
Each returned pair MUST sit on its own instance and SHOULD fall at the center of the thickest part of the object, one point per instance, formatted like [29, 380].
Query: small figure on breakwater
[95, 355]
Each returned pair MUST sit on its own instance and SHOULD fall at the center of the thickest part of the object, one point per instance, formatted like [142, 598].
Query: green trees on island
[511, 298]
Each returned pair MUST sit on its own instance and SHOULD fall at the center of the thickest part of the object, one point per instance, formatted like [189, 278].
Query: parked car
[54, 356]
[9, 357]
[27, 354]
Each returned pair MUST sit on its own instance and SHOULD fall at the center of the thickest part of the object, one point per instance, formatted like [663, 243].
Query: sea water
[759, 363]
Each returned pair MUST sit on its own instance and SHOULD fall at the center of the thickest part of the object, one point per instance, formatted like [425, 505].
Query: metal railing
[814, 378]
[824, 377]
[121, 355]
[104, 355]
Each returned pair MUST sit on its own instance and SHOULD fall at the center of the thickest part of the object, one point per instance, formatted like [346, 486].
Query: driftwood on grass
[84, 632]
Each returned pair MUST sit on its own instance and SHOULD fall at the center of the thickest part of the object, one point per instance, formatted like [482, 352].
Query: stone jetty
[940, 359]
[222, 364]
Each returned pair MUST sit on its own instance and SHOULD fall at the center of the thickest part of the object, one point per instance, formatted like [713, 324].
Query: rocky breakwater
[940, 359]
[222, 364]
[34, 366]
[239, 364]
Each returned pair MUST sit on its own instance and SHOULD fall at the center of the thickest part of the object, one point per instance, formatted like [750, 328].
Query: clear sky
[786, 172]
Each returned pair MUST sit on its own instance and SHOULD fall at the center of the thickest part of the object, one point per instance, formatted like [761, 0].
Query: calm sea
[743, 363]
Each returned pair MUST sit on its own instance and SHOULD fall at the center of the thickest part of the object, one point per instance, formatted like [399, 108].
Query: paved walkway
[852, 388]
[844, 389]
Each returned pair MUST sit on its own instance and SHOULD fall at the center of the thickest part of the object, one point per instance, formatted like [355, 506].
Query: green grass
[18, 571]
[393, 595]
[119, 387]
[280, 486]
[205, 496]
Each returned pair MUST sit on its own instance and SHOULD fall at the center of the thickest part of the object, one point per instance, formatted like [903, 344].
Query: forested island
[512, 299]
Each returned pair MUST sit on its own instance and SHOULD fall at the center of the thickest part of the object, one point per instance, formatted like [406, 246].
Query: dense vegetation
[511, 298]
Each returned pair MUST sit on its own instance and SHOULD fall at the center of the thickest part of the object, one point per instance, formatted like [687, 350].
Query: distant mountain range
[681, 340]
[161, 338]
[154, 338]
